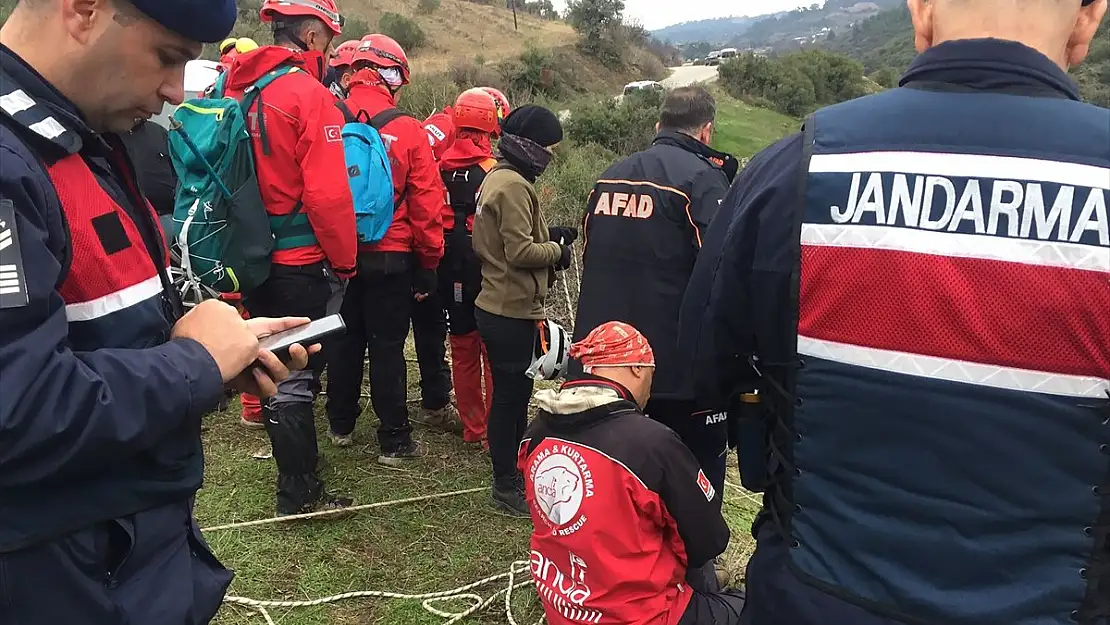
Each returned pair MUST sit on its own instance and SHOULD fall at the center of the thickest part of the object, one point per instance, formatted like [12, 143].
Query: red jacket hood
[248, 68]
[370, 98]
[469, 148]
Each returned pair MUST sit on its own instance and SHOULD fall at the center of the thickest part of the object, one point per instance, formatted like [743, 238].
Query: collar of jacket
[583, 402]
[524, 155]
[370, 98]
[725, 162]
[990, 65]
[46, 118]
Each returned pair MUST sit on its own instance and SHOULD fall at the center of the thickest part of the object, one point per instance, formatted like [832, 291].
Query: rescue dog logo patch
[333, 134]
[561, 482]
[706, 486]
[13, 283]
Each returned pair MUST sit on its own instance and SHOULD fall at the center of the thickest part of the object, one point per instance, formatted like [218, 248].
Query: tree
[595, 20]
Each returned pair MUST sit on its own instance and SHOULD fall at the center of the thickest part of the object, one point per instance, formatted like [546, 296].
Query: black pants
[705, 433]
[460, 281]
[295, 291]
[509, 343]
[429, 332]
[716, 608]
[376, 310]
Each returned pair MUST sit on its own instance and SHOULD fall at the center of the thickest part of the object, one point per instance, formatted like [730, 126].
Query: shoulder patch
[13, 284]
[706, 486]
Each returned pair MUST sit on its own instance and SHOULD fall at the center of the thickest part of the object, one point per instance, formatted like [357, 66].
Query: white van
[199, 75]
[729, 53]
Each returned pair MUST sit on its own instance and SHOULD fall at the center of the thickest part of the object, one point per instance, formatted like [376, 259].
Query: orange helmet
[383, 52]
[477, 109]
[345, 54]
[325, 10]
[503, 106]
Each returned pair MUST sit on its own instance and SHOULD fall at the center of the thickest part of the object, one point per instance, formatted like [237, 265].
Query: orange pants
[469, 365]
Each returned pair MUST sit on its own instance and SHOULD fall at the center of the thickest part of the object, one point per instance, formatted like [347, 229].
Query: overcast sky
[659, 13]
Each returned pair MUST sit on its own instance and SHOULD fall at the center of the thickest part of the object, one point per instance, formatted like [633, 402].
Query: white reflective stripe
[16, 102]
[963, 166]
[960, 245]
[114, 302]
[955, 370]
[49, 128]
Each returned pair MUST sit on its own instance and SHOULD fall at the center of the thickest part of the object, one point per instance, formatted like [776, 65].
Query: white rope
[428, 599]
[744, 493]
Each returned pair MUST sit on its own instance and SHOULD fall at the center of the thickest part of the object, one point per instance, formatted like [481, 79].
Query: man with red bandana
[302, 175]
[394, 273]
[626, 523]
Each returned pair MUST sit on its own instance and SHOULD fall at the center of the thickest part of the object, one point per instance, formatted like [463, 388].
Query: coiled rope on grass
[429, 600]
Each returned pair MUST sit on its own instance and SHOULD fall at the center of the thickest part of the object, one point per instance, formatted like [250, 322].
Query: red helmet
[383, 52]
[325, 10]
[503, 106]
[345, 54]
[477, 109]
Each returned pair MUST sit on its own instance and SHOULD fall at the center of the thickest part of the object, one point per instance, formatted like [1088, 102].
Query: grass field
[411, 548]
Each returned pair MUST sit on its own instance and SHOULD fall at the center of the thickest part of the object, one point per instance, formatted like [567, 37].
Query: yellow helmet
[227, 44]
[244, 45]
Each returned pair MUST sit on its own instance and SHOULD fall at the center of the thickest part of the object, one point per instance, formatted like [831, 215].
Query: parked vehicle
[729, 53]
[642, 85]
[714, 58]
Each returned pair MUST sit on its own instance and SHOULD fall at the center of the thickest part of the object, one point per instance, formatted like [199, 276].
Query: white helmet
[549, 355]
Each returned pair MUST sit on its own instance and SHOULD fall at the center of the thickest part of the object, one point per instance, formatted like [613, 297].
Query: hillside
[884, 44]
[786, 30]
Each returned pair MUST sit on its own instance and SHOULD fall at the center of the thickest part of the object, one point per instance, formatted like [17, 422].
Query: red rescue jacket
[469, 149]
[417, 226]
[620, 509]
[305, 161]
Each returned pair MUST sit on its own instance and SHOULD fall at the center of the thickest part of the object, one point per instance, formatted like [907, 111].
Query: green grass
[412, 548]
[743, 130]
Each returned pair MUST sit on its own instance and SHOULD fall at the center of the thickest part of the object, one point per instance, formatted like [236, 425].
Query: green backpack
[221, 226]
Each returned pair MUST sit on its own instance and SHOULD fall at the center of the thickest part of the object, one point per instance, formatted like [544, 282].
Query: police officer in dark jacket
[918, 287]
[643, 230]
[102, 385]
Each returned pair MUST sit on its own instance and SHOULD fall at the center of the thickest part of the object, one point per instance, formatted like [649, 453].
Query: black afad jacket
[619, 506]
[642, 232]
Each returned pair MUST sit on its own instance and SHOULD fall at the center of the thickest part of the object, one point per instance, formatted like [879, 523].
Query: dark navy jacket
[99, 411]
[641, 234]
[917, 285]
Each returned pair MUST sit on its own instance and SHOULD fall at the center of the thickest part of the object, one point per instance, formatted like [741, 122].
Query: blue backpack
[369, 172]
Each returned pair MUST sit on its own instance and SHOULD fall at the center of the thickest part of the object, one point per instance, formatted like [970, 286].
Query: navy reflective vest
[943, 449]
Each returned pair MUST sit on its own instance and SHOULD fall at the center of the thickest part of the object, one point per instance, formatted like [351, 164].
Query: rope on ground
[344, 511]
[744, 493]
[462, 593]
[428, 599]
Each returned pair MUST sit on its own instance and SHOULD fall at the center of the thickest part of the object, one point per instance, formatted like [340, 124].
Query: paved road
[689, 75]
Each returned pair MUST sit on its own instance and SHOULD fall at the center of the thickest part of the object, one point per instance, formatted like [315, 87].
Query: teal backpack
[221, 227]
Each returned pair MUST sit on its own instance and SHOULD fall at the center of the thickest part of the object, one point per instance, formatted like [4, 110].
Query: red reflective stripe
[1039, 318]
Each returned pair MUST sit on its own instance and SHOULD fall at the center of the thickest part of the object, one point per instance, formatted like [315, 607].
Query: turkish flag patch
[705, 486]
[333, 134]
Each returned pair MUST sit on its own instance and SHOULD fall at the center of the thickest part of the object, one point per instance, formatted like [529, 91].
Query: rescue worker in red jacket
[341, 68]
[394, 272]
[302, 174]
[626, 524]
[464, 166]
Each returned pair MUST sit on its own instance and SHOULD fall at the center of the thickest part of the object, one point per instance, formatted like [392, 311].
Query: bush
[427, 7]
[404, 30]
[794, 84]
[533, 73]
[565, 187]
[428, 95]
[621, 128]
[466, 74]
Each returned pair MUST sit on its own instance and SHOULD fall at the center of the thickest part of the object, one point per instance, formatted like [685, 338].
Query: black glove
[424, 282]
[563, 235]
[564, 260]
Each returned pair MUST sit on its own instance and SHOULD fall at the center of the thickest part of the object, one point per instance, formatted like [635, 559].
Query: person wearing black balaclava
[520, 256]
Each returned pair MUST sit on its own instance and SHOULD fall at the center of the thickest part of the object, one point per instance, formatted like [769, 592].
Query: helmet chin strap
[288, 34]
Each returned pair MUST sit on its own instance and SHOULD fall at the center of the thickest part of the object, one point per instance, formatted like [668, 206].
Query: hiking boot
[341, 440]
[325, 503]
[446, 419]
[400, 456]
[509, 497]
[252, 422]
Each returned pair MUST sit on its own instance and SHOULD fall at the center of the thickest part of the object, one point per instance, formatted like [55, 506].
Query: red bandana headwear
[613, 344]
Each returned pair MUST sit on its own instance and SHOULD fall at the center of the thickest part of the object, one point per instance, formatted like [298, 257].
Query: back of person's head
[118, 61]
[310, 25]
[690, 111]
[619, 352]
[1062, 30]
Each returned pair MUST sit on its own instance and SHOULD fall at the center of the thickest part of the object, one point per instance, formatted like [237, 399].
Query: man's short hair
[296, 26]
[688, 109]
